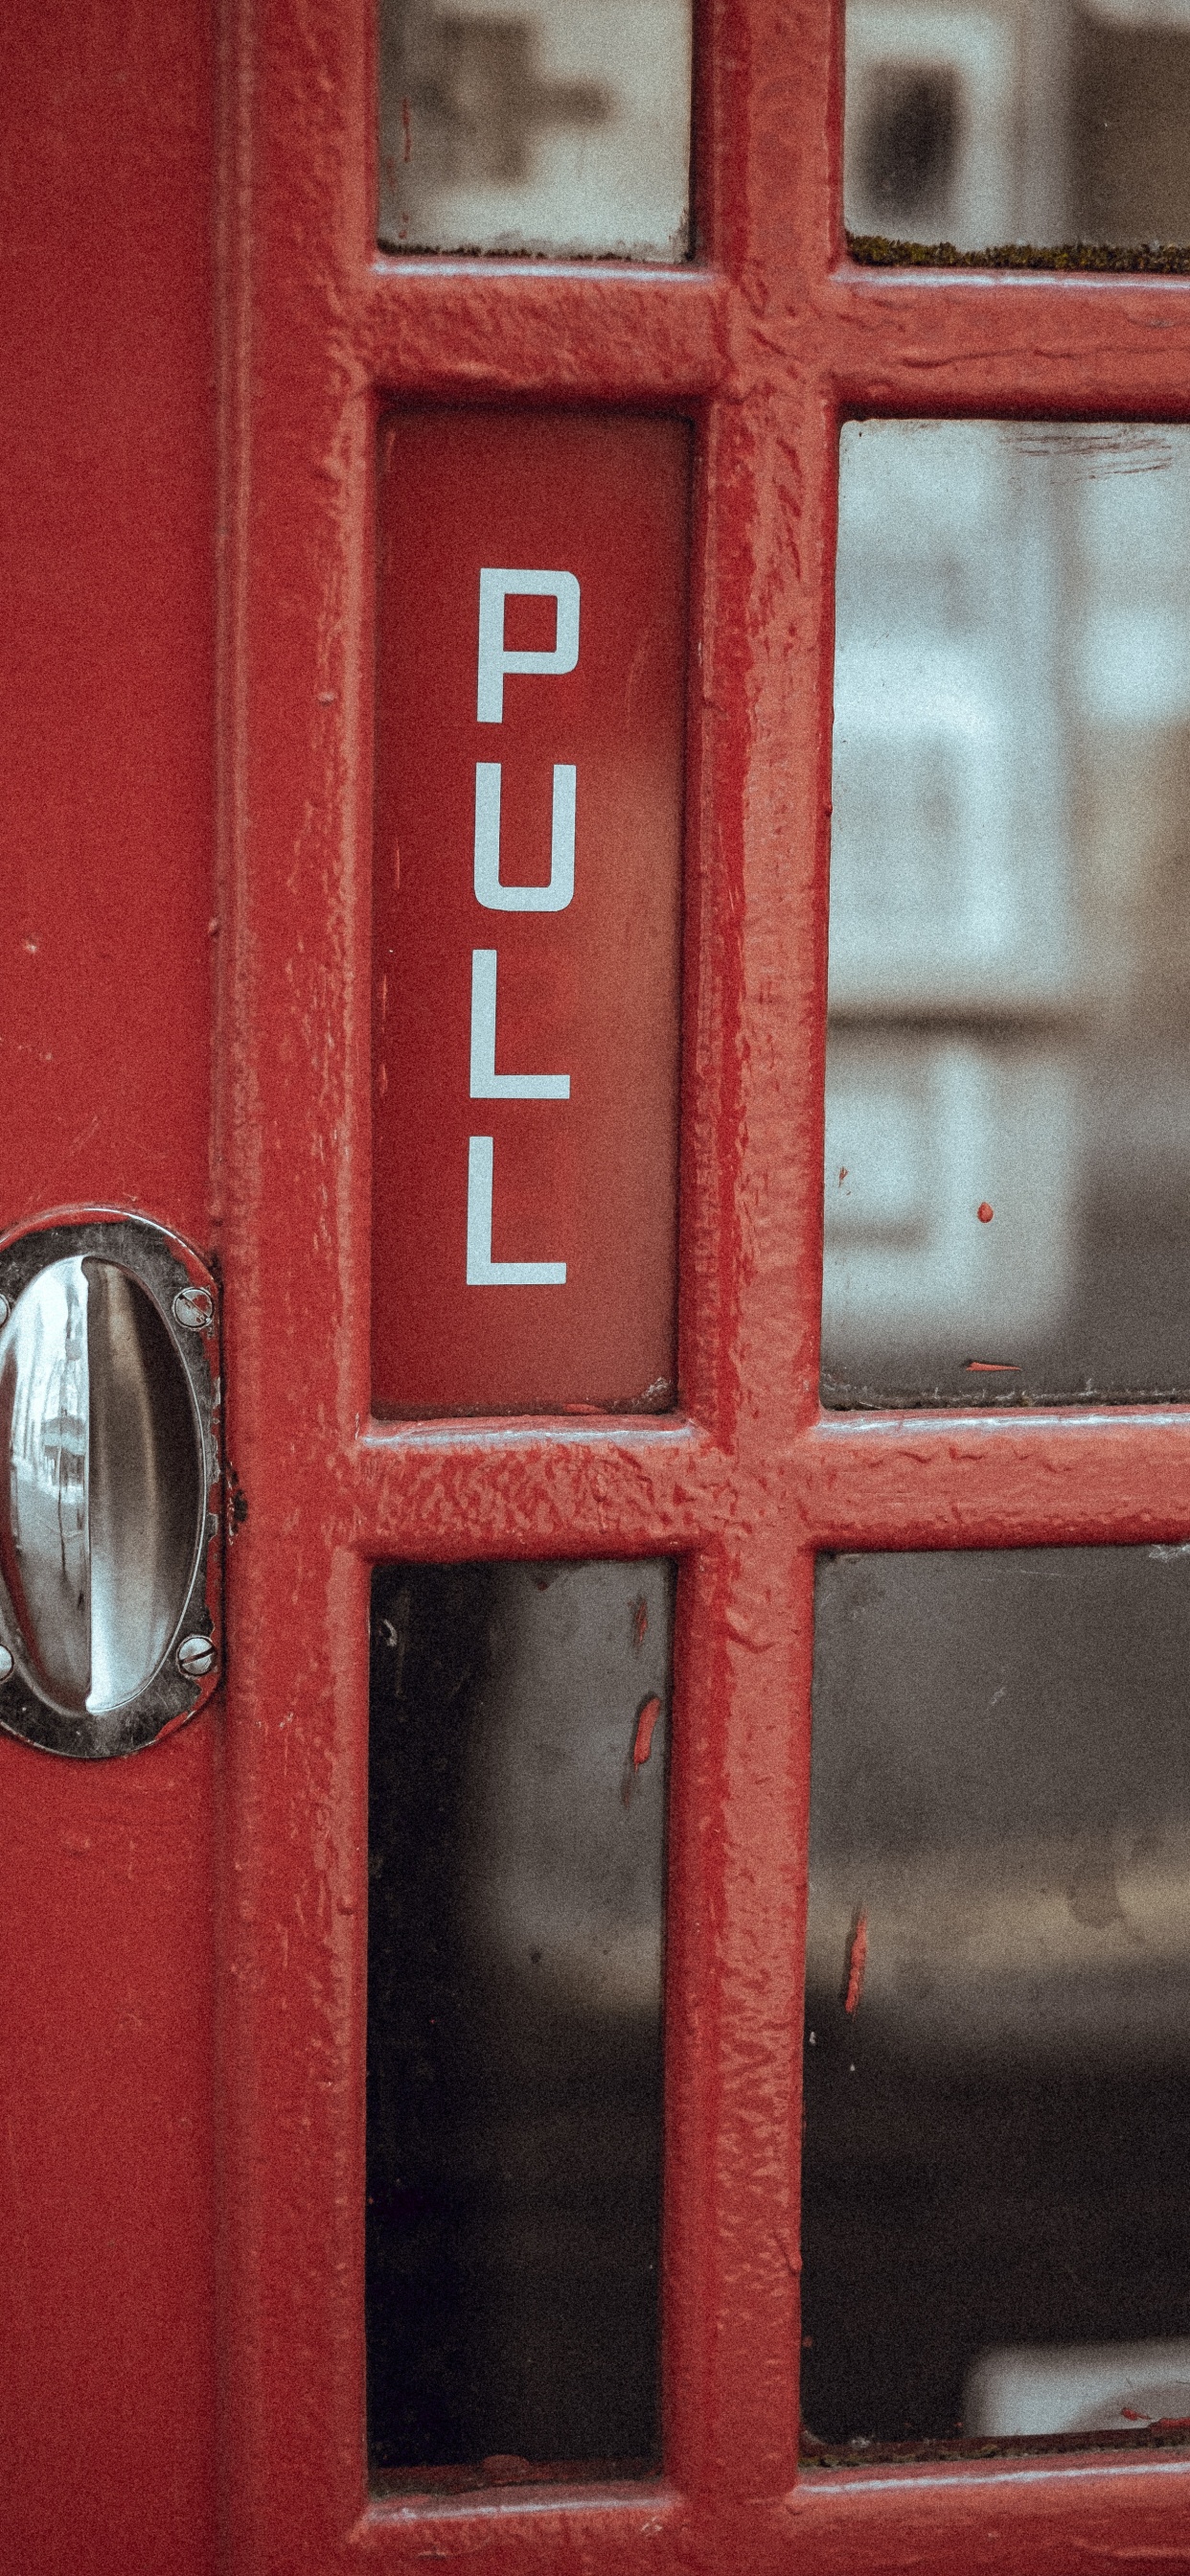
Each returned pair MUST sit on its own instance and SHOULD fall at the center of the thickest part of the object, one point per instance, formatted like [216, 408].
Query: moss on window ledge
[1148, 259]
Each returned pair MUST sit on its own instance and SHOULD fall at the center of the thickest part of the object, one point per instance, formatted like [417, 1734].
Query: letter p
[494, 659]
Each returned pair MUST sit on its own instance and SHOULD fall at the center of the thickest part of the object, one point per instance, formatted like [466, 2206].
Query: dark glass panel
[517, 1810]
[996, 2232]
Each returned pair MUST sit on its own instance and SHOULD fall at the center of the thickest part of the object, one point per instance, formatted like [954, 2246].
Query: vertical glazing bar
[293, 1152]
[741, 1773]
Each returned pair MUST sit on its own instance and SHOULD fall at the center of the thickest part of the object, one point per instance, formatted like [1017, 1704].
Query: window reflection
[1029, 121]
[1008, 1095]
[518, 1745]
[536, 125]
[996, 2235]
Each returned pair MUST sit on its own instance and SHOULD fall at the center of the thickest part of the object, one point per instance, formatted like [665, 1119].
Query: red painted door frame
[765, 343]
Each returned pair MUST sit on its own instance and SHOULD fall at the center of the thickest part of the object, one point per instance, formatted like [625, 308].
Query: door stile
[762, 351]
[293, 1149]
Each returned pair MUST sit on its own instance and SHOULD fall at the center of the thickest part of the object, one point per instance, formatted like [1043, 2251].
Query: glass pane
[996, 2219]
[1008, 1087]
[549, 125]
[517, 1817]
[1029, 123]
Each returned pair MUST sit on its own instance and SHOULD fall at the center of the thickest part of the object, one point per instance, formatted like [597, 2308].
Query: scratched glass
[996, 2224]
[519, 1718]
[1008, 1086]
[548, 126]
[1019, 122]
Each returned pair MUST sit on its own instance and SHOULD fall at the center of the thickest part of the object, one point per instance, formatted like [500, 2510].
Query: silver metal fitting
[196, 1658]
[194, 1310]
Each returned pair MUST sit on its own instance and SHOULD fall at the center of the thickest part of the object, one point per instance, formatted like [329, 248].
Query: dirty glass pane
[996, 2215]
[1032, 123]
[556, 126]
[1008, 1086]
[519, 1719]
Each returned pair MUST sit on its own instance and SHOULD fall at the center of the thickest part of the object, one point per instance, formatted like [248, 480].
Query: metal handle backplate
[110, 1482]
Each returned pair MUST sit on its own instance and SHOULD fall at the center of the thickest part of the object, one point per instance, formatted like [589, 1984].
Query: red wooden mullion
[765, 344]
[457, 334]
[1016, 344]
[1012, 1480]
[917, 341]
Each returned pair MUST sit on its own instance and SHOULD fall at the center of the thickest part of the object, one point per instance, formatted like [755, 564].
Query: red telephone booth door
[210, 369]
[107, 2384]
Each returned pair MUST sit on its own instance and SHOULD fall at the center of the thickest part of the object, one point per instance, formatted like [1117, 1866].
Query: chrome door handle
[110, 1492]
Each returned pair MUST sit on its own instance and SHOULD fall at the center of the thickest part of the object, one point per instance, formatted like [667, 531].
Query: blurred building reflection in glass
[549, 126]
[996, 2235]
[1031, 121]
[1008, 1096]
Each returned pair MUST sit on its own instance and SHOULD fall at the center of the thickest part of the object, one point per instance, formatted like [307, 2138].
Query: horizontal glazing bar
[835, 2521]
[629, 334]
[853, 1480]
[1016, 1480]
[946, 341]
[987, 2517]
[622, 2531]
[1012, 343]
[528, 1488]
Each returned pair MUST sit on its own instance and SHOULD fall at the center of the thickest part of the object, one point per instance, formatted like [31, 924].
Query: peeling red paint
[645, 1725]
[985, 1212]
[857, 1960]
[993, 1368]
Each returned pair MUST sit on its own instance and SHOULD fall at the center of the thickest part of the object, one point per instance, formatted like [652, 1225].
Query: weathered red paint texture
[107, 654]
[764, 342]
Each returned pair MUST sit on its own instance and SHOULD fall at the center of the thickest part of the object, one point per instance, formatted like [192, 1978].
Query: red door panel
[106, 647]
[118, 1892]
[527, 888]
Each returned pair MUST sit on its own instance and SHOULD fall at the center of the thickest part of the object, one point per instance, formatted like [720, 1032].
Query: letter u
[489, 891]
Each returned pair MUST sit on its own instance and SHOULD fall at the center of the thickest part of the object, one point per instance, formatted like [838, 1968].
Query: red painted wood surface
[107, 2338]
[110, 2351]
[763, 343]
[114, 2028]
[588, 992]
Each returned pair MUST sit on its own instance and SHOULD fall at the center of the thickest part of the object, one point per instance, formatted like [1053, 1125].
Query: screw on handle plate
[196, 1658]
[194, 1310]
